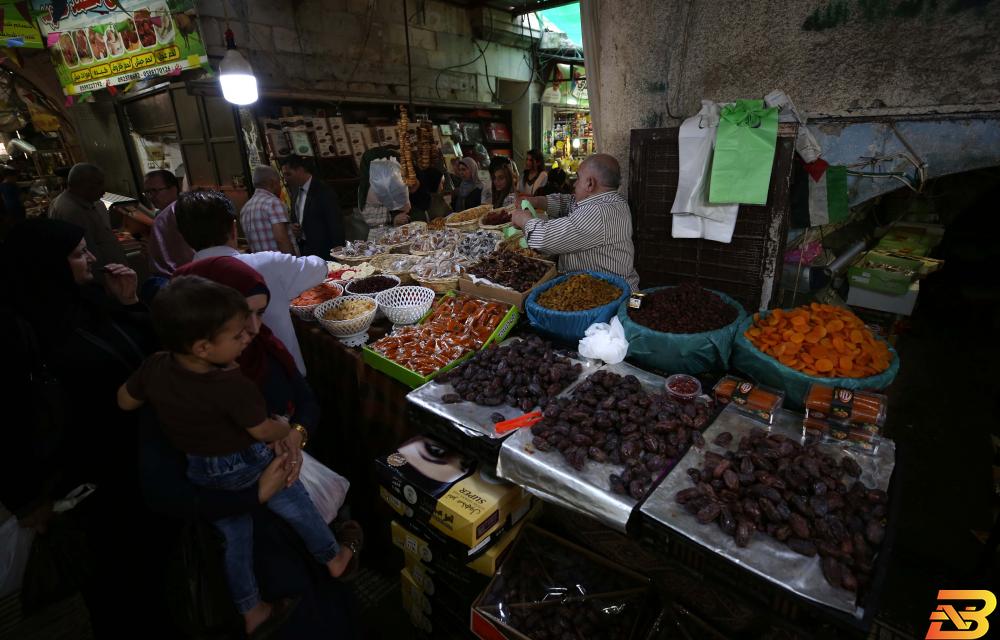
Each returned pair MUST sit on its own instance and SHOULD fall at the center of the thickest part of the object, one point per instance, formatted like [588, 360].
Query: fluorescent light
[239, 84]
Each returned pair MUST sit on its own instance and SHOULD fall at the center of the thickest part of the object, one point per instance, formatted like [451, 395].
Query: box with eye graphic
[440, 495]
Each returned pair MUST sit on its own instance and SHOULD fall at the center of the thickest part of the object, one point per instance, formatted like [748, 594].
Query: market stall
[681, 452]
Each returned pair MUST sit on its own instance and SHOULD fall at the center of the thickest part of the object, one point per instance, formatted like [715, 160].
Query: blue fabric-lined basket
[571, 325]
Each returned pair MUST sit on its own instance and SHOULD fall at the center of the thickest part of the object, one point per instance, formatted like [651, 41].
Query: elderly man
[589, 230]
[264, 218]
[167, 248]
[80, 204]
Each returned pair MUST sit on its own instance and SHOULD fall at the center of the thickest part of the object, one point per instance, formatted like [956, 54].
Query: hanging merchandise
[744, 153]
[693, 215]
[114, 42]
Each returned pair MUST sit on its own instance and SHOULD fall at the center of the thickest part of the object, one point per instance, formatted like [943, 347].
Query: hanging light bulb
[239, 84]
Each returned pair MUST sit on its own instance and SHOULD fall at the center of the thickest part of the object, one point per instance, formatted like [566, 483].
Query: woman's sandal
[351, 535]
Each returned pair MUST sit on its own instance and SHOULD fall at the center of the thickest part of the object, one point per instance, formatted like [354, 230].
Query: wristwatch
[305, 433]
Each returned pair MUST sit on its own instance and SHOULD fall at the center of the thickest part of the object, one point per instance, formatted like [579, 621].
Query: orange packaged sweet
[820, 340]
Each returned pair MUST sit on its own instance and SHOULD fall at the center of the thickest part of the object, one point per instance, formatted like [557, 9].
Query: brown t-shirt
[205, 414]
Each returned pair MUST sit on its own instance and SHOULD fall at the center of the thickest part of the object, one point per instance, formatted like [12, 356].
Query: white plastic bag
[694, 216]
[604, 341]
[15, 547]
[385, 178]
[326, 488]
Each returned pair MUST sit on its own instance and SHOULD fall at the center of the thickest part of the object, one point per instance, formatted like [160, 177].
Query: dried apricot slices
[820, 339]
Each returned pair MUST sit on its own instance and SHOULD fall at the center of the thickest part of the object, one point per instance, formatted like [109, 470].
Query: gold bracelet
[305, 434]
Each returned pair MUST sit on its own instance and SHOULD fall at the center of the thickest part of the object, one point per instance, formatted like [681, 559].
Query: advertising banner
[100, 43]
[17, 27]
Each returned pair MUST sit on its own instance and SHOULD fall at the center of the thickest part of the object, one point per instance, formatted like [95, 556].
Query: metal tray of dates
[764, 555]
[548, 474]
[473, 419]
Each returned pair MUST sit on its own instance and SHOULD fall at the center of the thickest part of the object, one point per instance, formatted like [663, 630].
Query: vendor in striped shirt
[589, 230]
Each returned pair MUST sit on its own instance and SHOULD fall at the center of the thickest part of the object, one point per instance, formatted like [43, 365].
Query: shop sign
[17, 28]
[101, 43]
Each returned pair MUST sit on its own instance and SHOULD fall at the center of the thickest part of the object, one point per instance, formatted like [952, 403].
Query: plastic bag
[386, 180]
[604, 341]
[15, 547]
[766, 370]
[690, 353]
[326, 488]
[744, 153]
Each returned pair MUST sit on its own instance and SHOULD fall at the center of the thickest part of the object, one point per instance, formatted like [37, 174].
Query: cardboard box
[902, 305]
[912, 238]
[387, 135]
[336, 124]
[895, 278]
[439, 624]
[324, 138]
[511, 297]
[343, 147]
[276, 138]
[434, 489]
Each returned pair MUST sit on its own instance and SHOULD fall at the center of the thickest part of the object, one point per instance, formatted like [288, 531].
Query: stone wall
[318, 47]
[659, 58]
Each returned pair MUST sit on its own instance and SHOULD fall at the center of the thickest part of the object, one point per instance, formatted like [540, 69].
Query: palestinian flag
[827, 193]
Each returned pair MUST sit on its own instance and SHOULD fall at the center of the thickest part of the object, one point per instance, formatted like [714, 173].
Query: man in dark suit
[316, 219]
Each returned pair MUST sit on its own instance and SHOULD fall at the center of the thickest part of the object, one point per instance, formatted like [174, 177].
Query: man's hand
[400, 219]
[121, 282]
[540, 203]
[297, 230]
[519, 217]
[274, 478]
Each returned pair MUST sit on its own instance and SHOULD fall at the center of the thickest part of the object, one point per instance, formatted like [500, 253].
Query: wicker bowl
[382, 263]
[351, 283]
[405, 305]
[305, 312]
[354, 261]
[457, 220]
[493, 227]
[352, 326]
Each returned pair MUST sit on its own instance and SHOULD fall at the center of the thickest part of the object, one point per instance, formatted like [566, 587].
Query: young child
[217, 416]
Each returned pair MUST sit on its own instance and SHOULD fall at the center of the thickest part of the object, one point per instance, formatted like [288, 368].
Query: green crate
[412, 378]
[866, 273]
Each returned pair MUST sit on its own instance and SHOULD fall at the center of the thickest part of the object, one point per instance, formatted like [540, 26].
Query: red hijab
[234, 273]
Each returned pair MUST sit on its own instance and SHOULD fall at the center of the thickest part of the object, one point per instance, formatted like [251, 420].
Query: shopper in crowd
[374, 210]
[264, 217]
[317, 222]
[425, 203]
[495, 164]
[503, 186]
[454, 174]
[68, 343]
[207, 221]
[535, 176]
[469, 193]
[556, 183]
[10, 193]
[591, 229]
[167, 248]
[219, 418]
[81, 205]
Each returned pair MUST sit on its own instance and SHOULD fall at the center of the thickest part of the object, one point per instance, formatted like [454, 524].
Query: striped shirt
[261, 211]
[593, 234]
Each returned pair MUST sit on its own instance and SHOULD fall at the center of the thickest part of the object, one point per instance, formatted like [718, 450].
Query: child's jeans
[236, 471]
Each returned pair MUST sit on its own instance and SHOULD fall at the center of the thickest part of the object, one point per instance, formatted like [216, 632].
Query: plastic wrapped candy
[478, 244]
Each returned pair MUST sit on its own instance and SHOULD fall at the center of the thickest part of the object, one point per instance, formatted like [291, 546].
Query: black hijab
[38, 283]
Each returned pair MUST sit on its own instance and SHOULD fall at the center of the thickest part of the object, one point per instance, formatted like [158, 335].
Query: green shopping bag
[744, 153]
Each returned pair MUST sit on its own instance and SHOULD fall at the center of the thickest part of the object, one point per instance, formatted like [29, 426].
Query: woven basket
[415, 228]
[347, 287]
[467, 225]
[382, 262]
[351, 260]
[344, 328]
[405, 305]
[493, 227]
[440, 285]
[305, 312]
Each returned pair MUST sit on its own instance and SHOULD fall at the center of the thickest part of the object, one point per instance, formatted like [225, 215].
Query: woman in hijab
[470, 191]
[68, 344]
[283, 568]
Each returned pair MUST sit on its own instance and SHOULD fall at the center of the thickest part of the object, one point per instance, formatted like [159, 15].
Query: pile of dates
[511, 270]
[550, 594]
[522, 374]
[795, 494]
[609, 418]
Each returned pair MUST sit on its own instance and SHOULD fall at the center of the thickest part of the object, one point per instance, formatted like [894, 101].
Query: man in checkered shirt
[264, 217]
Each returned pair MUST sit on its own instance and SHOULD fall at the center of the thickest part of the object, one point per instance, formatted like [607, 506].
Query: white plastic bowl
[345, 328]
[405, 305]
[306, 312]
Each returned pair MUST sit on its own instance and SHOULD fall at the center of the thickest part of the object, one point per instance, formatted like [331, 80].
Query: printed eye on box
[442, 495]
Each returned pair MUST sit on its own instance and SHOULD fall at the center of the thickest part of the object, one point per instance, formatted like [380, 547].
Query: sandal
[351, 535]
